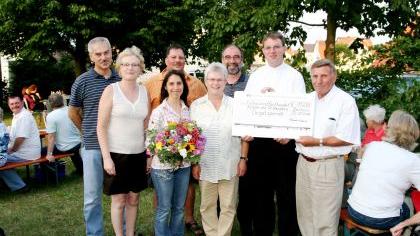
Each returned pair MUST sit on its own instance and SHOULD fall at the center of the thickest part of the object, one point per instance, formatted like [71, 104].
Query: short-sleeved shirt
[386, 173]
[336, 114]
[85, 93]
[222, 150]
[240, 85]
[24, 126]
[66, 133]
[196, 88]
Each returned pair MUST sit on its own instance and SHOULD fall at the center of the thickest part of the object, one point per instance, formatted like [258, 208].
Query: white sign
[273, 116]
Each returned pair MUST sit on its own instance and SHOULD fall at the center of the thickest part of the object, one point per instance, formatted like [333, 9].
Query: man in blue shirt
[85, 94]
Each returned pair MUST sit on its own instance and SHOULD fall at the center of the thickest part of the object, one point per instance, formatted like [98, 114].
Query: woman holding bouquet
[224, 157]
[170, 181]
[122, 118]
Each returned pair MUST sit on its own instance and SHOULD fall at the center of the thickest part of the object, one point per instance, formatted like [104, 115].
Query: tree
[244, 22]
[38, 29]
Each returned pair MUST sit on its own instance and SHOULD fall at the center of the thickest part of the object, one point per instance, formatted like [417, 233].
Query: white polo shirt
[336, 114]
[24, 125]
[222, 151]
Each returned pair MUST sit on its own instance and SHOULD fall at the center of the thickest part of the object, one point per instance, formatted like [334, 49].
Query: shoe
[24, 189]
[194, 227]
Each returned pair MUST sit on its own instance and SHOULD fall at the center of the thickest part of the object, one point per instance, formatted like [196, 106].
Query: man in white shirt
[24, 142]
[271, 164]
[63, 135]
[320, 168]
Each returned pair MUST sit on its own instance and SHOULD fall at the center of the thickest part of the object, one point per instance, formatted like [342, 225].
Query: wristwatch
[244, 158]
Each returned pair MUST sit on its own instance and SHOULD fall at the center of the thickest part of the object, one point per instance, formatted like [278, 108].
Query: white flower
[183, 152]
[187, 137]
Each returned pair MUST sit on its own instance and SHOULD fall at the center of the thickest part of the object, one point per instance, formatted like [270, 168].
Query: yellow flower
[159, 146]
[192, 147]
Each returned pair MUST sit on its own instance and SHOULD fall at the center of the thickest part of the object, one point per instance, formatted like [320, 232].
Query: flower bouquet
[176, 143]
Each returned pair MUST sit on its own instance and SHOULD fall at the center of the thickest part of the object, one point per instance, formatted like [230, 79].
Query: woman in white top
[387, 171]
[122, 119]
[224, 157]
[171, 184]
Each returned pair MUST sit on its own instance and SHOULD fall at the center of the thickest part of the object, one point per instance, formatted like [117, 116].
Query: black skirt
[130, 174]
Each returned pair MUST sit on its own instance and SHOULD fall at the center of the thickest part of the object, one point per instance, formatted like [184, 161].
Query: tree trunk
[331, 31]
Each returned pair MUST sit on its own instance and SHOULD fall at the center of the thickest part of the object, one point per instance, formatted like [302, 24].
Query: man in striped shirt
[85, 94]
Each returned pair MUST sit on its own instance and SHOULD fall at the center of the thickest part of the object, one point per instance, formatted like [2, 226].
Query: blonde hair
[402, 130]
[133, 51]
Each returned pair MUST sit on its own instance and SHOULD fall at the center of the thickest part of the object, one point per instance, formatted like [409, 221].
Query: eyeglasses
[134, 65]
[216, 80]
[275, 47]
[235, 57]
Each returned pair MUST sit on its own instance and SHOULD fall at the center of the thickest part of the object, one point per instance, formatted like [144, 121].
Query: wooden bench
[352, 228]
[27, 164]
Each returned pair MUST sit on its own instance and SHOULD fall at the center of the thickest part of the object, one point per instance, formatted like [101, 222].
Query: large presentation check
[272, 116]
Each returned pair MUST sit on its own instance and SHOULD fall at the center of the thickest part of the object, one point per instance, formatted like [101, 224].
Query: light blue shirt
[66, 134]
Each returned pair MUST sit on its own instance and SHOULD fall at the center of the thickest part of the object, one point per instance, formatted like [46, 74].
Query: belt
[310, 159]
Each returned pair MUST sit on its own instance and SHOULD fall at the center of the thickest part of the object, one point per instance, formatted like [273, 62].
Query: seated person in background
[24, 142]
[375, 116]
[387, 171]
[399, 228]
[4, 141]
[63, 136]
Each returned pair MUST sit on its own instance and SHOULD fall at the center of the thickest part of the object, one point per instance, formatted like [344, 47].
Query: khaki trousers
[319, 191]
[227, 192]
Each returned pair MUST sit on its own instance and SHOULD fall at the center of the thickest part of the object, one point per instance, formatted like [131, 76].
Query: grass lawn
[49, 209]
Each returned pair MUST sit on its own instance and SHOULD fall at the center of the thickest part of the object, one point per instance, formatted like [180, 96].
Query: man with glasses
[274, 160]
[232, 58]
[85, 94]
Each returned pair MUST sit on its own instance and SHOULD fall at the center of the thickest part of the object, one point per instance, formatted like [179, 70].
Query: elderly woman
[387, 170]
[122, 118]
[375, 116]
[171, 184]
[224, 158]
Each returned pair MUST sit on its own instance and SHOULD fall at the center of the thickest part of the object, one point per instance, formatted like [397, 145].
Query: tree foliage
[37, 29]
[245, 22]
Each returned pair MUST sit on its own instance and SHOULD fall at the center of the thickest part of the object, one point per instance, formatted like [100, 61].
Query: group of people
[298, 182]
[22, 141]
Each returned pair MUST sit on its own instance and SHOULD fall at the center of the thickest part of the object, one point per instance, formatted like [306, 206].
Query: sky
[319, 33]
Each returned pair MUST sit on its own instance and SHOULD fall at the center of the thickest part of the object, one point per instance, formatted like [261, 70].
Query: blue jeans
[380, 223]
[92, 191]
[171, 187]
[10, 177]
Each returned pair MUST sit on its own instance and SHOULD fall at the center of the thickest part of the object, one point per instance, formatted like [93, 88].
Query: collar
[330, 93]
[19, 113]
[95, 74]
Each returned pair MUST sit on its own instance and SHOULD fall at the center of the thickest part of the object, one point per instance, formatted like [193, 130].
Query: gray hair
[402, 130]
[232, 45]
[133, 51]
[325, 62]
[97, 40]
[55, 100]
[216, 67]
[375, 113]
[1, 114]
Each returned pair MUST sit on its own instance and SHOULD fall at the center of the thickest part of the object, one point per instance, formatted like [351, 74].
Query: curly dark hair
[164, 93]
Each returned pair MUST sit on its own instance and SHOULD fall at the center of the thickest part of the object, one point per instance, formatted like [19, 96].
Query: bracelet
[49, 153]
[244, 158]
[321, 142]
